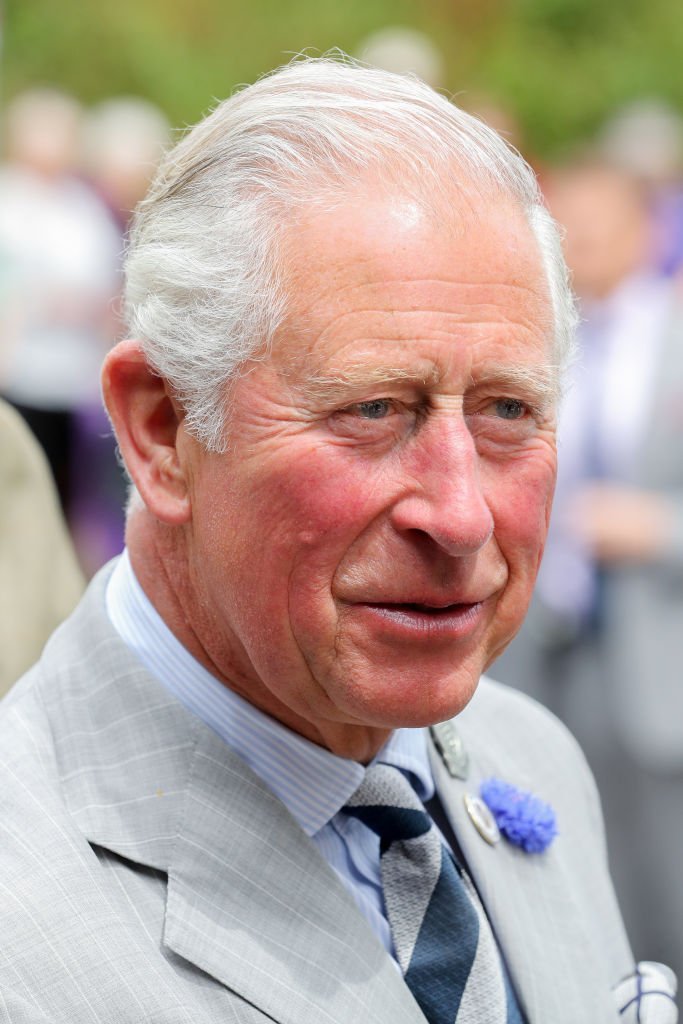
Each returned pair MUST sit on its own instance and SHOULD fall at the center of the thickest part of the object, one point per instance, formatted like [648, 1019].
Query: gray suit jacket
[147, 875]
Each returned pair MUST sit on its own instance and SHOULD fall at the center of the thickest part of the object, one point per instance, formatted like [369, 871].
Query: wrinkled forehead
[387, 243]
[401, 207]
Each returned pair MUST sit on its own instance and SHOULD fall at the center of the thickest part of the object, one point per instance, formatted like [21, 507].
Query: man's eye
[374, 420]
[375, 409]
[510, 408]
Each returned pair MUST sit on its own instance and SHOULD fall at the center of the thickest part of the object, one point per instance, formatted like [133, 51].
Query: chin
[414, 707]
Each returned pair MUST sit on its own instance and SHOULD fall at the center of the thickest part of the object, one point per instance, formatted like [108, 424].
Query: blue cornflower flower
[523, 818]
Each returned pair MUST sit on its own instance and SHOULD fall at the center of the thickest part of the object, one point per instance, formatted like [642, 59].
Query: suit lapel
[530, 902]
[250, 900]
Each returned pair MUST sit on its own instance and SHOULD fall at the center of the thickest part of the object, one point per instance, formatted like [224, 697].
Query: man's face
[370, 541]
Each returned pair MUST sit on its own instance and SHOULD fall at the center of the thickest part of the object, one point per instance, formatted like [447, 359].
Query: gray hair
[204, 285]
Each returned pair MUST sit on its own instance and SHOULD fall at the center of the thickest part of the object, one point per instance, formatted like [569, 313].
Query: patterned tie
[442, 937]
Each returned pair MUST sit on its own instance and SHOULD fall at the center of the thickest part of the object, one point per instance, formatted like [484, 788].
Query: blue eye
[510, 408]
[376, 409]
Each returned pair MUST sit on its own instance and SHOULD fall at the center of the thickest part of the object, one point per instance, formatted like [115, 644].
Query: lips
[429, 602]
[422, 607]
[412, 621]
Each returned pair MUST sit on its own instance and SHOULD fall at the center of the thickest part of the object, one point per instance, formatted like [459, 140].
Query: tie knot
[386, 802]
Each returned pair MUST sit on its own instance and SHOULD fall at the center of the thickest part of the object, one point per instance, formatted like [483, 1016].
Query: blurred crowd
[69, 181]
[603, 643]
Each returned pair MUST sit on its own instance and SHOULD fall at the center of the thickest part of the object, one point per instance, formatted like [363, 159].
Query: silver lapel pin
[451, 749]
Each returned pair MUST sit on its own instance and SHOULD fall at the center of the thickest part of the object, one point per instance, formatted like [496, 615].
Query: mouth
[423, 609]
[413, 620]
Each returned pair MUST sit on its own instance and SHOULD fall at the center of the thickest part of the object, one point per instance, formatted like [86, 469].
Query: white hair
[204, 285]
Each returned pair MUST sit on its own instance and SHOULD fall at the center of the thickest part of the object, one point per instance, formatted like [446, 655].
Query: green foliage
[560, 64]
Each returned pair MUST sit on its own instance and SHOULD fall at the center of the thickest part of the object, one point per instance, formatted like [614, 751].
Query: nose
[443, 497]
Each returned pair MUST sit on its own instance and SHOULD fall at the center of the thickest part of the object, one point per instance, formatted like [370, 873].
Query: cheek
[320, 499]
[521, 500]
[305, 511]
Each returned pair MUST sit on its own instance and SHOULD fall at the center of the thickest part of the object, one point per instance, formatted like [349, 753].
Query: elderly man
[349, 310]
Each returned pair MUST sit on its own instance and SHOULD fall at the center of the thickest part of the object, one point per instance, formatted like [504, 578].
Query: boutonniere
[522, 818]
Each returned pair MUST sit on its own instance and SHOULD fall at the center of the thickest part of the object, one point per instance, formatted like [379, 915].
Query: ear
[147, 419]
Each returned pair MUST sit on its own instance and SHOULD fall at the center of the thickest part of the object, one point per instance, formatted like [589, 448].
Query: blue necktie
[442, 937]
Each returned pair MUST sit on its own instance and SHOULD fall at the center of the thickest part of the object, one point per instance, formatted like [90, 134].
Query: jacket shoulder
[512, 720]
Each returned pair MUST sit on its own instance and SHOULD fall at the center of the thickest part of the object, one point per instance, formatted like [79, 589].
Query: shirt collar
[313, 783]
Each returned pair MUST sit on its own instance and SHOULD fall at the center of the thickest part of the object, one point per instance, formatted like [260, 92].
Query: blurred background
[560, 65]
[591, 92]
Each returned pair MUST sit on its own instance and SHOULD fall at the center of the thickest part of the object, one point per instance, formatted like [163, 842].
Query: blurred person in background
[59, 255]
[603, 644]
[644, 138]
[404, 51]
[123, 140]
[40, 581]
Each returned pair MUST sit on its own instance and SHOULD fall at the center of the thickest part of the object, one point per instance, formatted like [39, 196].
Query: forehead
[388, 269]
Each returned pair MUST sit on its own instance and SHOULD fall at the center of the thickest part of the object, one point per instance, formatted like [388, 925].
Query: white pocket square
[648, 996]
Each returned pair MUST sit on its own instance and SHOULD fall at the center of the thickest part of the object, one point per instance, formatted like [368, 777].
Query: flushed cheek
[314, 507]
[521, 500]
[321, 488]
[521, 505]
[322, 497]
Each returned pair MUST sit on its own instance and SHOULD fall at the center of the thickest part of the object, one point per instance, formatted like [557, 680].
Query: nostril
[459, 530]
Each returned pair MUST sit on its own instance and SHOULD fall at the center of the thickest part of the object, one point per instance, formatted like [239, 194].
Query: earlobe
[147, 420]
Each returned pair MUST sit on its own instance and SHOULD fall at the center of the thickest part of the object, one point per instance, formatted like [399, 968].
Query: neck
[159, 560]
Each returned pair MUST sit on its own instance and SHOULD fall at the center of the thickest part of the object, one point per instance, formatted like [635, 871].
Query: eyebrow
[327, 387]
[540, 383]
